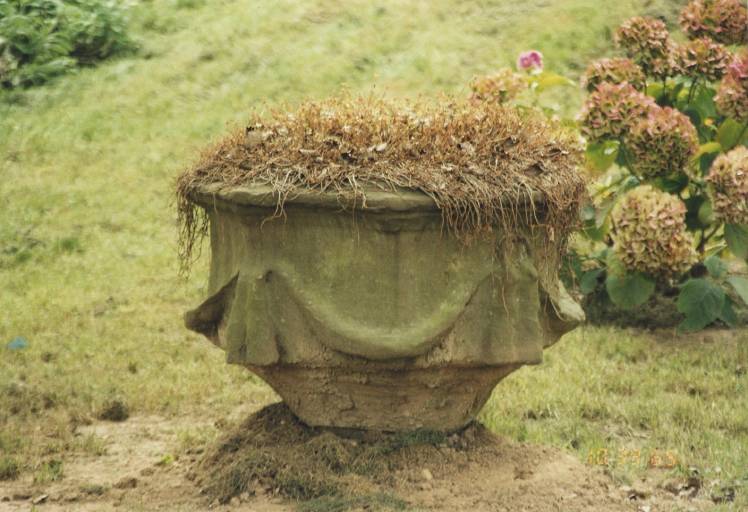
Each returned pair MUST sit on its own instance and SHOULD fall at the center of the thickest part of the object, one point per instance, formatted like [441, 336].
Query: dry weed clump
[482, 163]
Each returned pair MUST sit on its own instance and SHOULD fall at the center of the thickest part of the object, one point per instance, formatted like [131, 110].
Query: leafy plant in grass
[9, 468]
[666, 131]
[41, 39]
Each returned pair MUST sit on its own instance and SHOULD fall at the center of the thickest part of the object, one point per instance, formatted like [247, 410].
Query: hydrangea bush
[666, 134]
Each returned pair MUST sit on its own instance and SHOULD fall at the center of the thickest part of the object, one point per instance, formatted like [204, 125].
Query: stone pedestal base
[444, 399]
[374, 316]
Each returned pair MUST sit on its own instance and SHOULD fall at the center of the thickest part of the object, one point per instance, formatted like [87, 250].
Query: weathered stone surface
[380, 398]
[372, 317]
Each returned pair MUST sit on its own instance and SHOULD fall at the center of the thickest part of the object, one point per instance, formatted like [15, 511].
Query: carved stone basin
[371, 316]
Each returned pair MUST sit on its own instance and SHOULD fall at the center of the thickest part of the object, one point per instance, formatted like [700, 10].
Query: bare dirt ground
[472, 471]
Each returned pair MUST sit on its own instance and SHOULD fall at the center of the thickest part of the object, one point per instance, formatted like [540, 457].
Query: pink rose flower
[530, 60]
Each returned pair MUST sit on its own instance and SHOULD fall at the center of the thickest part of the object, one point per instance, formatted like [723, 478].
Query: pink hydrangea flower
[530, 60]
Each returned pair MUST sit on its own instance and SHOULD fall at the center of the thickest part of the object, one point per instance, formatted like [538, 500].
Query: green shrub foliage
[665, 126]
[41, 39]
[669, 209]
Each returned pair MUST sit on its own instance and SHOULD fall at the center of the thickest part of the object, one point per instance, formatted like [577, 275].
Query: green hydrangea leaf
[693, 206]
[706, 213]
[708, 149]
[728, 134]
[740, 285]
[699, 212]
[728, 314]
[655, 90]
[692, 324]
[594, 233]
[601, 155]
[588, 282]
[736, 237]
[629, 290]
[681, 98]
[706, 161]
[574, 263]
[715, 266]
[548, 80]
[603, 213]
[702, 302]
[590, 228]
[695, 116]
[588, 213]
[672, 184]
[703, 103]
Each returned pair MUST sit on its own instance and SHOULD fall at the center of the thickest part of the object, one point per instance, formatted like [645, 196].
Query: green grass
[631, 396]
[88, 267]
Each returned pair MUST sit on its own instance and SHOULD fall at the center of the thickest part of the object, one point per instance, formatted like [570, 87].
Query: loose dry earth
[271, 462]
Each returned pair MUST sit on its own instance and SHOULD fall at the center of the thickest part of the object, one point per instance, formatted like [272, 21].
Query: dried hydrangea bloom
[611, 110]
[650, 233]
[614, 71]
[662, 143]
[500, 87]
[530, 60]
[703, 58]
[732, 95]
[728, 186]
[724, 21]
[647, 41]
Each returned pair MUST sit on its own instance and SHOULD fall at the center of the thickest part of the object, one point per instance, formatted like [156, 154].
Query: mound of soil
[273, 453]
[272, 463]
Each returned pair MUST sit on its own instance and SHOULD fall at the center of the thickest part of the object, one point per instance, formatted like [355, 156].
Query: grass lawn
[88, 267]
